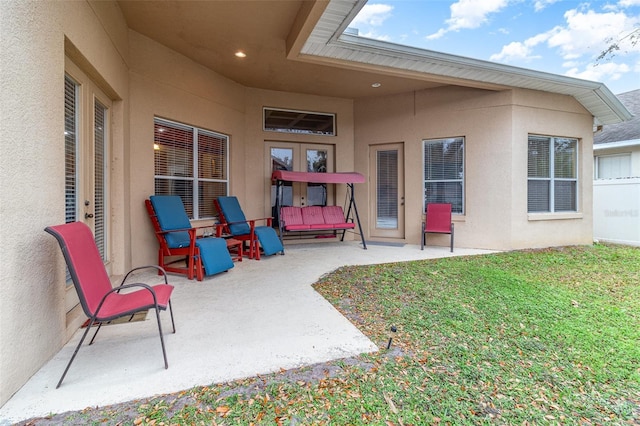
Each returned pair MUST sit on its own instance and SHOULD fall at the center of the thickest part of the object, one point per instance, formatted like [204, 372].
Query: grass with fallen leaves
[528, 337]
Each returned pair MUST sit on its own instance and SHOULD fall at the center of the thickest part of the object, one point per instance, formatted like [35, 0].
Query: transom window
[444, 172]
[552, 174]
[191, 163]
[305, 122]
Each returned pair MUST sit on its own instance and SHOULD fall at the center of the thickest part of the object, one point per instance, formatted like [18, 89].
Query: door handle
[88, 215]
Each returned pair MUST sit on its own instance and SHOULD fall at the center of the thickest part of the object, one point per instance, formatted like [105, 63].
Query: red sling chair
[437, 221]
[101, 302]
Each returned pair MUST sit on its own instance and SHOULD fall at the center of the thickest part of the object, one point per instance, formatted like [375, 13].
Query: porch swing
[317, 219]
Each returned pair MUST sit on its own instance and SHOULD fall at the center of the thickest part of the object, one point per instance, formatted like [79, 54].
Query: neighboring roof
[298, 46]
[627, 131]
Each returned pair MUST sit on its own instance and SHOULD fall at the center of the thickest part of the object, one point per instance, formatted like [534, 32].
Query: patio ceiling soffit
[327, 43]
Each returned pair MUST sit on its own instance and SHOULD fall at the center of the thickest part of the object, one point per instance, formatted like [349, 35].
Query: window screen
[444, 172]
[552, 174]
[191, 163]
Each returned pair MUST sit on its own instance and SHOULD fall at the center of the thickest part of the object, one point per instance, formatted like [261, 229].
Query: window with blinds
[613, 166]
[387, 189]
[552, 174]
[100, 177]
[192, 163]
[444, 172]
[71, 95]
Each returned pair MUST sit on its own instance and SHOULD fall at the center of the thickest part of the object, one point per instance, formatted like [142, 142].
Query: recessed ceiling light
[376, 85]
[241, 54]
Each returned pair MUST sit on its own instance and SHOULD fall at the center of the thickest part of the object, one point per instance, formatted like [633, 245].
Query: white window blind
[70, 148]
[613, 166]
[191, 163]
[100, 177]
[444, 172]
[387, 189]
[552, 174]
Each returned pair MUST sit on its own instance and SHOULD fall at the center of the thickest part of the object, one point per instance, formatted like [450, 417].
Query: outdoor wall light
[240, 54]
[376, 85]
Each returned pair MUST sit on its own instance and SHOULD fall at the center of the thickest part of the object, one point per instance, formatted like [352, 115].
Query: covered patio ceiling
[269, 32]
[298, 46]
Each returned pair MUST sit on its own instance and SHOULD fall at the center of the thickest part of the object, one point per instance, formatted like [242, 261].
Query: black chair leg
[452, 238]
[173, 324]
[95, 334]
[75, 352]
[164, 351]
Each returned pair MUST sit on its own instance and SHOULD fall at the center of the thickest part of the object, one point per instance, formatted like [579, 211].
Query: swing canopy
[345, 177]
[313, 213]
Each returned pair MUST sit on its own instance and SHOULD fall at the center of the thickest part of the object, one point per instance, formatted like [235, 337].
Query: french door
[87, 123]
[387, 190]
[300, 157]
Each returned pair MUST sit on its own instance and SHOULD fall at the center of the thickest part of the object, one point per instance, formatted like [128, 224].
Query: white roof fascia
[619, 144]
[328, 41]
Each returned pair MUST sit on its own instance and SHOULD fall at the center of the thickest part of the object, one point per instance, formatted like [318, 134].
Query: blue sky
[559, 36]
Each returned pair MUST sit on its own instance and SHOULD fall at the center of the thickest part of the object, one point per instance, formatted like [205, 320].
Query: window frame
[278, 129]
[194, 176]
[552, 179]
[461, 180]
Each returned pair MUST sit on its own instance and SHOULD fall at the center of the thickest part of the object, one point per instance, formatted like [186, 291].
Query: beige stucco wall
[552, 115]
[33, 324]
[256, 193]
[495, 126]
[168, 85]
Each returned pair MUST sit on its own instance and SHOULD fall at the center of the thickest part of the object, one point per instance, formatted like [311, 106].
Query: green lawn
[528, 337]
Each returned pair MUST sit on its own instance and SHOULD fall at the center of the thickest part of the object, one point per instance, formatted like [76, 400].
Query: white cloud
[587, 32]
[629, 3]
[437, 35]
[372, 15]
[469, 14]
[610, 71]
[512, 51]
[541, 4]
[520, 50]
[584, 33]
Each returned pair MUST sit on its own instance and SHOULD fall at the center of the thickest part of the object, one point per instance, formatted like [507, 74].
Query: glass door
[86, 141]
[300, 157]
[387, 191]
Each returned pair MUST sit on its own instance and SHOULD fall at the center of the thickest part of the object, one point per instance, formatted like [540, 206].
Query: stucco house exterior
[616, 186]
[90, 87]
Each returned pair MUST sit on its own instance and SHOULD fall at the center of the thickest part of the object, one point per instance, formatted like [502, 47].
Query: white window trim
[552, 214]
[194, 173]
[461, 214]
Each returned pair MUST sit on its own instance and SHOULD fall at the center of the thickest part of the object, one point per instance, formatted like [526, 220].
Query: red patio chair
[234, 221]
[176, 237]
[437, 221]
[100, 301]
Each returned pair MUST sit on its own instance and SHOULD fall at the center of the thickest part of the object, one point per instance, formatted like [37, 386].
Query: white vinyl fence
[616, 210]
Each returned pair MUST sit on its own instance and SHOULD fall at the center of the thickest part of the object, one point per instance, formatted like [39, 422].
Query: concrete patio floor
[258, 318]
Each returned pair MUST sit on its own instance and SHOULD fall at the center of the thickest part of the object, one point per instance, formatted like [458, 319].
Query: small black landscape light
[393, 330]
